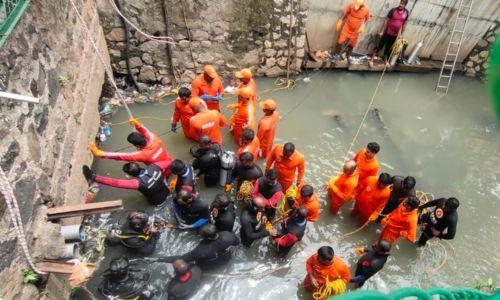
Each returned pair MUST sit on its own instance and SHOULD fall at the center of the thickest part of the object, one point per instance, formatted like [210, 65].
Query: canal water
[451, 144]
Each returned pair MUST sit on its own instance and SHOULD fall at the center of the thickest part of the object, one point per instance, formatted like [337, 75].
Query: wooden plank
[59, 267]
[83, 209]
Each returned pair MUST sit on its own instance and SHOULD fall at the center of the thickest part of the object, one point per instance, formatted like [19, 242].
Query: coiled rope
[330, 288]
[244, 193]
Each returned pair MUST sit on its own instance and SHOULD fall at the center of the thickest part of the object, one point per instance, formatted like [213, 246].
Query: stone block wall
[44, 145]
[476, 64]
[230, 34]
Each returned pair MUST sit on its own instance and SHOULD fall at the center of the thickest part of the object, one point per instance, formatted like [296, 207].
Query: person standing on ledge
[267, 127]
[208, 87]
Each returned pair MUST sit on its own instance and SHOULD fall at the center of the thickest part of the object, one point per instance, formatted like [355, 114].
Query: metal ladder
[456, 38]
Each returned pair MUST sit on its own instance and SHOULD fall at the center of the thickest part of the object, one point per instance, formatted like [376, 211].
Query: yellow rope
[244, 194]
[141, 118]
[282, 208]
[330, 288]
[355, 231]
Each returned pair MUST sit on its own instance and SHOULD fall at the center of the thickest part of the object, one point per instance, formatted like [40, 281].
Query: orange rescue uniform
[371, 199]
[312, 205]
[341, 189]
[252, 88]
[266, 133]
[201, 87]
[336, 270]
[183, 112]
[208, 122]
[286, 167]
[243, 118]
[354, 20]
[366, 167]
[252, 147]
[400, 223]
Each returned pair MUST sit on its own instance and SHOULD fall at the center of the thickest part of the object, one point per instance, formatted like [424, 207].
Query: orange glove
[383, 221]
[172, 183]
[134, 122]
[232, 106]
[360, 250]
[362, 28]
[404, 234]
[373, 217]
[338, 25]
[228, 187]
[95, 151]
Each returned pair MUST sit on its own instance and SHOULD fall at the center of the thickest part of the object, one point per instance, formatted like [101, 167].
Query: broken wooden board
[59, 267]
[69, 211]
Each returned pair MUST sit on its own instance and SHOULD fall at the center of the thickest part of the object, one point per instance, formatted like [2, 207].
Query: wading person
[244, 117]
[208, 87]
[371, 262]
[324, 266]
[150, 148]
[207, 160]
[268, 188]
[354, 19]
[249, 143]
[246, 82]
[366, 163]
[222, 213]
[392, 28]
[150, 181]
[205, 121]
[139, 234]
[307, 197]
[189, 210]
[441, 222]
[267, 127]
[341, 188]
[372, 198]
[244, 170]
[186, 281]
[289, 231]
[402, 188]
[287, 161]
[182, 112]
[185, 175]
[214, 250]
[253, 222]
[402, 222]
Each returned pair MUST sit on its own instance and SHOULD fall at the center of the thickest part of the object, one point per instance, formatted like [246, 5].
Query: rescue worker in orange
[150, 148]
[402, 222]
[205, 121]
[267, 127]
[249, 143]
[182, 112]
[244, 116]
[307, 197]
[246, 82]
[367, 163]
[371, 200]
[287, 161]
[356, 16]
[324, 265]
[341, 188]
[208, 87]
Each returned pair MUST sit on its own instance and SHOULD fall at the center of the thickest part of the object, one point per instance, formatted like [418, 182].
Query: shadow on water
[449, 143]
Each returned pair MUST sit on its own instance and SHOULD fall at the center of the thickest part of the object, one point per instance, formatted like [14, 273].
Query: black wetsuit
[178, 289]
[268, 191]
[207, 160]
[292, 232]
[152, 184]
[186, 179]
[398, 195]
[209, 253]
[135, 286]
[139, 243]
[443, 221]
[251, 229]
[368, 265]
[196, 214]
[225, 218]
[243, 173]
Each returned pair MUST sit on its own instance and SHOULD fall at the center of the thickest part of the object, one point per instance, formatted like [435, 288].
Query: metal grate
[10, 13]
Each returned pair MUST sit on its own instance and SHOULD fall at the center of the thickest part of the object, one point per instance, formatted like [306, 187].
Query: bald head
[259, 202]
[350, 167]
[180, 267]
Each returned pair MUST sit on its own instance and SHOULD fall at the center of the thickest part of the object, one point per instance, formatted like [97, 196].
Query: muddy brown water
[451, 144]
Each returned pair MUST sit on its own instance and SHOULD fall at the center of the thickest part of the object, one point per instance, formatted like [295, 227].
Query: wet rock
[116, 34]
[269, 52]
[165, 80]
[9, 157]
[147, 59]
[267, 44]
[149, 46]
[301, 52]
[115, 54]
[188, 76]
[42, 119]
[252, 58]
[206, 44]
[483, 54]
[270, 62]
[199, 35]
[135, 62]
[469, 64]
[274, 72]
[477, 68]
[54, 86]
[205, 58]
[33, 144]
[474, 58]
[482, 43]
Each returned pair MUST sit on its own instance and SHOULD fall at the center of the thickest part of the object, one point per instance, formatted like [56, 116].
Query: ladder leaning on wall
[456, 39]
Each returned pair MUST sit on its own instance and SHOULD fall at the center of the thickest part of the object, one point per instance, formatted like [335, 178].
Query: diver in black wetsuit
[186, 281]
[121, 282]
[185, 175]
[289, 231]
[372, 261]
[222, 213]
[214, 250]
[441, 222]
[139, 234]
[402, 188]
[207, 160]
[190, 211]
[253, 221]
[244, 170]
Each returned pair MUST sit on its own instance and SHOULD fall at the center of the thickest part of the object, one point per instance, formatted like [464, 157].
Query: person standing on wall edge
[208, 87]
[392, 28]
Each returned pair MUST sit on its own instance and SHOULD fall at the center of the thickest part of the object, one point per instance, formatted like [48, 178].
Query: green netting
[444, 294]
[10, 13]
[494, 75]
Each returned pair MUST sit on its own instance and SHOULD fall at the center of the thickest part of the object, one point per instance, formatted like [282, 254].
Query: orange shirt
[201, 87]
[266, 133]
[312, 205]
[371, 198]
[286, 167]
[183, 113]
[337, 269]
[366, 167]
[343, 185]
[243, 118]
[400, 221]
[252, 88]
[252, 147]
[355, 18]
[208, 122]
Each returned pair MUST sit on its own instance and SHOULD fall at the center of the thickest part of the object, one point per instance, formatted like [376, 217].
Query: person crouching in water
[207, 160]
[190, 211]
[121, 282]
[222, 213]
[186, 281]
[289, 231]
[140, 233]
[440, 223]
[371, 262]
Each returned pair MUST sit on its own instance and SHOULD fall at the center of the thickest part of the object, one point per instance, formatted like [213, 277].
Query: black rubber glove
[89, 175]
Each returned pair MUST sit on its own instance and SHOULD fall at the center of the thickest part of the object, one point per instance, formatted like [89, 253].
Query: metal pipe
[19, 97]
[71, 250]
[73, 233]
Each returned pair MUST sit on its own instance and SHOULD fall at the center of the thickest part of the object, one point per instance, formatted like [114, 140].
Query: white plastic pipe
[71, 250]
[19, 97]
[73, 233]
